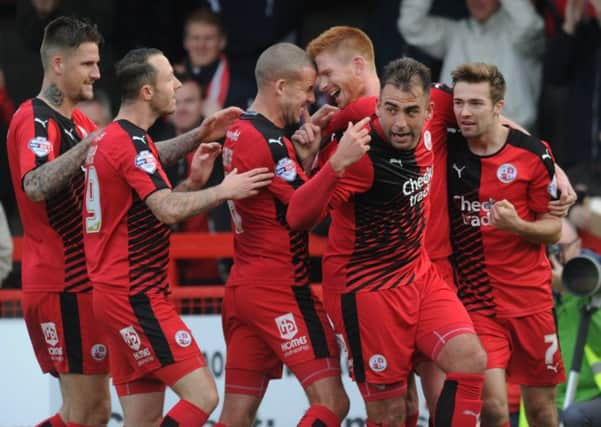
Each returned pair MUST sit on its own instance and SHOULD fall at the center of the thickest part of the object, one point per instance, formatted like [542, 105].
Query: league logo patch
[428, 140]
[146, 161]
[227, 155]
[183, 338]
[285, 169]
[286, 326]
[98, 352]
[40, 146]
[50, 334]
[507, 173]
[131, 338]
[378, 363]
[552, 188]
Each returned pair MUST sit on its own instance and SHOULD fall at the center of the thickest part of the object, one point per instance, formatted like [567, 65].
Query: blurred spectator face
[96, 112]
[481, 10]
[78, 71]
[338, 77]
[297, 95]
[164, 87]
[188, 107]
[203, 42]
[473, 107]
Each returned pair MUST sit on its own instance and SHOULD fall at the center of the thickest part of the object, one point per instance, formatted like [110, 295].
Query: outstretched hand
[239, 186]
[215, 126]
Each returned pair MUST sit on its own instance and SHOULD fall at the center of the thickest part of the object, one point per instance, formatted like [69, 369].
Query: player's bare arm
[172, 207]
[49, 179]
[53, 95]
[546, 229]
[211, 129]
[201, 167]
[567, 197]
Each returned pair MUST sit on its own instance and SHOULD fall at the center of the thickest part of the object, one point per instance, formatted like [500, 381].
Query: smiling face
[297, 95]
[337, 77]
[80, 69]
[204, 42]
[402, 114]
[474, 109]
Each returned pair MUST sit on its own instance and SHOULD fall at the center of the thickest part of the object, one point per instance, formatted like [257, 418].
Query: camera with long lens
[582, 276]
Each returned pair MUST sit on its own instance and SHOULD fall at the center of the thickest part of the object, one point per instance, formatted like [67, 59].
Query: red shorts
[382, 330]
[64, 333]
[145, 335]
[445, 270]
[265, 327]
[527, 347]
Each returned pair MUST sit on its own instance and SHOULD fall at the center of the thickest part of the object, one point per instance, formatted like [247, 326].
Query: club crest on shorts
[98, 352]
[428, 140]
[286, 326]
[131, 338]
[146, 161]
[378, 363]
[183, 338]
[507, 173]
[286, 169]
[40, 146]
[50, 334]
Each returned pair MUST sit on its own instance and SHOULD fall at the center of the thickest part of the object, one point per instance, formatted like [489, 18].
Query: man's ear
[57, 63]
[280, 86]
[147, 92]
[359, 64]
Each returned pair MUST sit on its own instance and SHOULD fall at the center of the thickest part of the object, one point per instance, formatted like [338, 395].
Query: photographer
[586, 408]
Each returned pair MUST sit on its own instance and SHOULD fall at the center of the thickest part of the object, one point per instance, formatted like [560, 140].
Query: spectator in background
[507, 33]
[6, 247]
[573, 61]
[586, 409]
[7, 109]
[97, 109]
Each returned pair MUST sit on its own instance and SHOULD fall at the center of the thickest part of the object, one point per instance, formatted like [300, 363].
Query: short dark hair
[134, 71]
[479, 72]
[64, 33]
[405, 73]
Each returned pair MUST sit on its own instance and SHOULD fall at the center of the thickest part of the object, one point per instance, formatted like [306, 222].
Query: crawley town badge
[146, 161]
[285, 169]
[507, 173]
[40, 146]
[131, 338]
[98, 352]
[428, 140]
[378, 363]
[183, 338]
[50, 333]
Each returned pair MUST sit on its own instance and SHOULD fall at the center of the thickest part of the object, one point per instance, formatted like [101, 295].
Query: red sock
[319, 416]
[53, 421]
[411, 420]
[185, 414]
[460, 401]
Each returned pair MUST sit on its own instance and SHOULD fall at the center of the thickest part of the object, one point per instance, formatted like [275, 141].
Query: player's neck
[137, 113]
[52, 94]
[372, 85]
[489, 142]
[269, 109]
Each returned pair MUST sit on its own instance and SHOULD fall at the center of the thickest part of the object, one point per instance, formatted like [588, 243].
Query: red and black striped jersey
[127, 247]
[500, 273]
[53, 253]
[266, 250]
[378, 211]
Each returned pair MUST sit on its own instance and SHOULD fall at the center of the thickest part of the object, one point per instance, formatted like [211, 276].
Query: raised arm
[422, 30]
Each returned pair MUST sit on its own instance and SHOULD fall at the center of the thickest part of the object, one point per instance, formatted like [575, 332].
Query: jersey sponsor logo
[131, 337]
[428, 140]
[50, 334]
[40, 146]
[286, 169]
[507, 172]
[471, 211]
[458, 169]
[378, 363]
[69, 132]
[286, 326]
[552, 187]
[183, 338]
[276, 141]
[44, 123]
[418, 189]
[233, 134]
[98, 352]
[146, 161]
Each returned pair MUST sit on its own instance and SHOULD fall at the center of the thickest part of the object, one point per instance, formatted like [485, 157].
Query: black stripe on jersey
[169, 422]
[464, 172]
[140, 303]
[317, 335]
[72, 332]
[350, 319]
[139, 139]
[535, 146]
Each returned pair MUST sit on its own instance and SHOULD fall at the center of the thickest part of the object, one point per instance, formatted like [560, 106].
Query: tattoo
[172, 207]
[173, 149]
[54, 95]
[49, 179]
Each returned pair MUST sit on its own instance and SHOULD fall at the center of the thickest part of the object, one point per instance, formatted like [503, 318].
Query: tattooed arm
[211, 129]
[172, 207]
[47, 180]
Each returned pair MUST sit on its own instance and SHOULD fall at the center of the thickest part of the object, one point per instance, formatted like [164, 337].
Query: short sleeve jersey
[378, 211]
[499, 272]
[127, 246]
[53, 253]
[266, 250]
